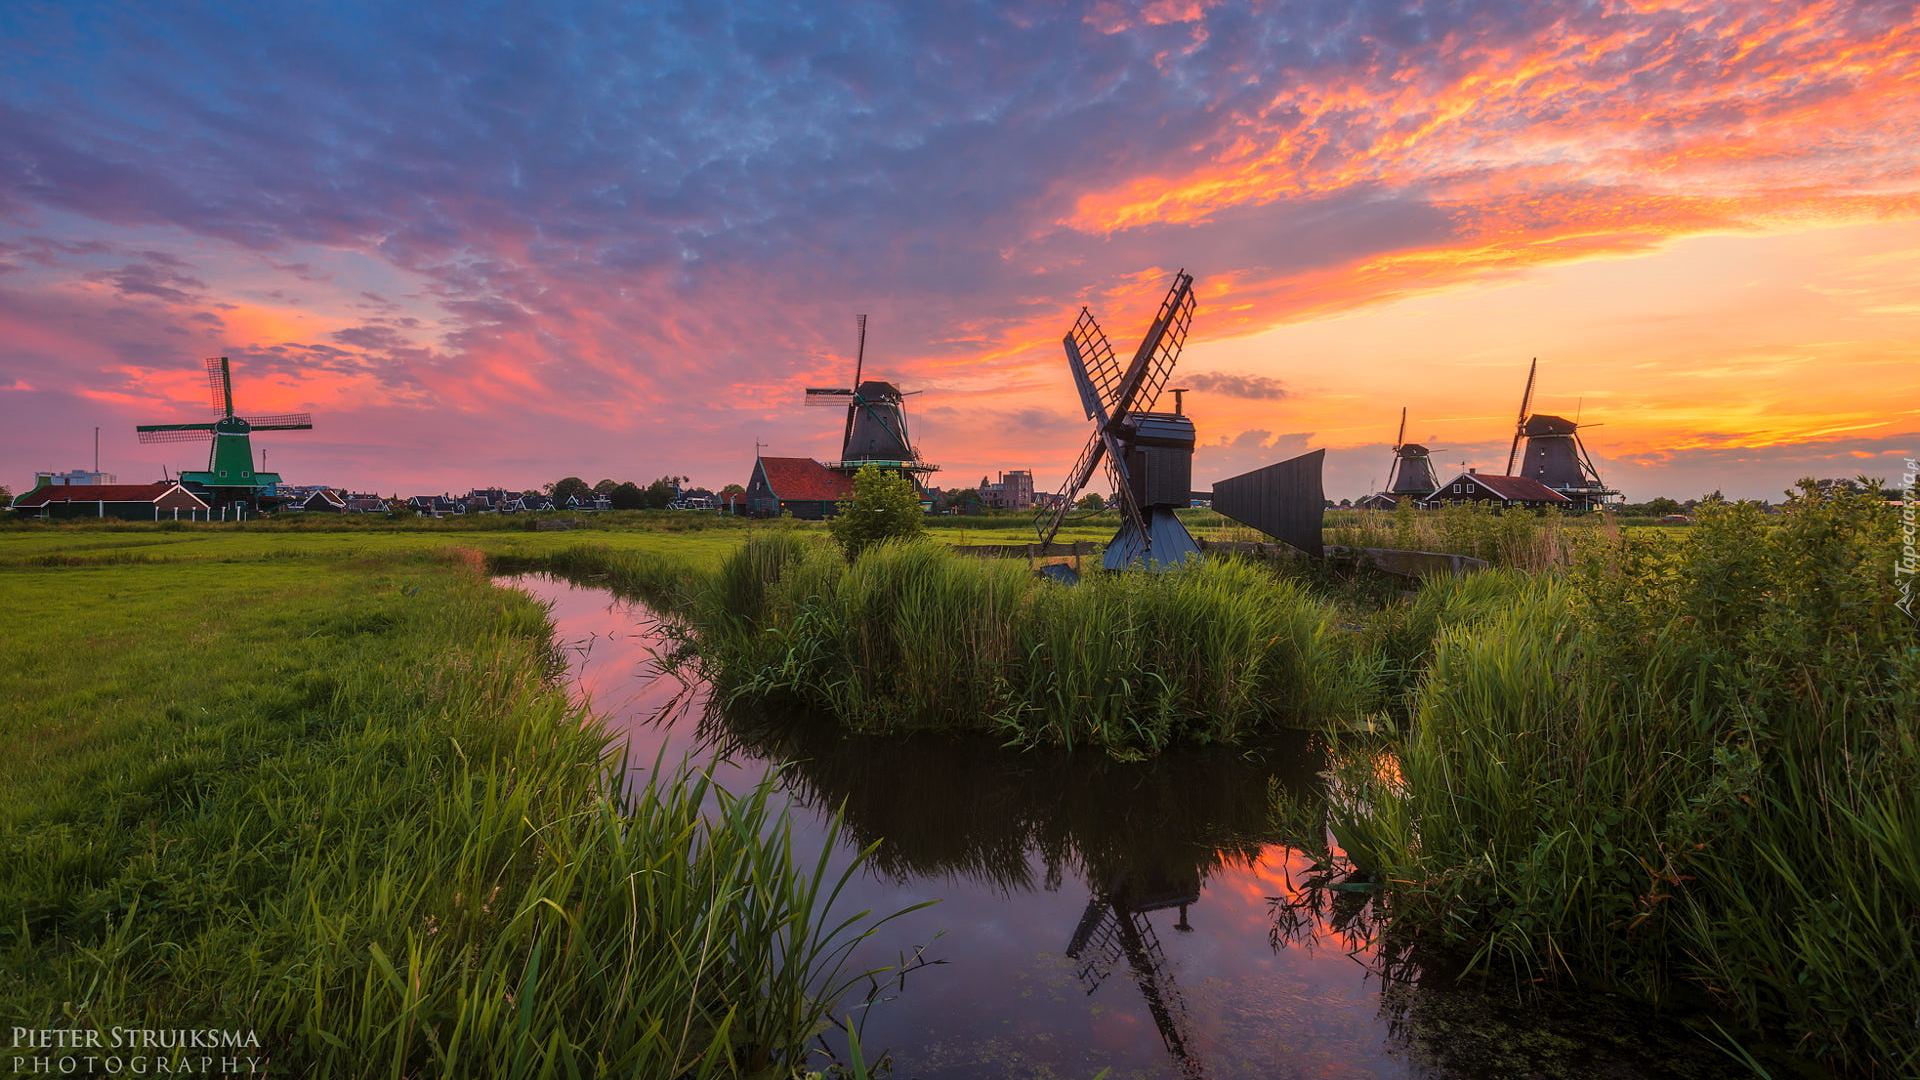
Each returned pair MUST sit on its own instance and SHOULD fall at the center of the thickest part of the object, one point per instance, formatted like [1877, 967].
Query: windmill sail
[1520, 425]
[295, 421]
[170, 433]
[220, 381]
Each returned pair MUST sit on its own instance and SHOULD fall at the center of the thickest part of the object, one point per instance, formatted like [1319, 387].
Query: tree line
[621, 495]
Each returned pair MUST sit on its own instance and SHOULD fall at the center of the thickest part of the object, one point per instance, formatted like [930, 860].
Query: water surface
[1142, 917]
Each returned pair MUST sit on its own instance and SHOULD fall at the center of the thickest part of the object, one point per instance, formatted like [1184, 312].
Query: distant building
[166, 501]
[800, 486]
[1013, 492]
[324, 500]
[77, 476]
[1500, 491]
[435, 505]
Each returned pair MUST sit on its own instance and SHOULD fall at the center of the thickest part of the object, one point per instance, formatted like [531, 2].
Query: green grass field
[260, 774]
[322, 787]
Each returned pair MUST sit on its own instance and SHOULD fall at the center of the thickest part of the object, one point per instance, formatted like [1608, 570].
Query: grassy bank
[912, 636]
[1689, 767]
[342, 805]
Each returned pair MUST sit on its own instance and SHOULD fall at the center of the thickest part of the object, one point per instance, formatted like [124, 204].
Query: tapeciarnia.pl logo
[1907, 568]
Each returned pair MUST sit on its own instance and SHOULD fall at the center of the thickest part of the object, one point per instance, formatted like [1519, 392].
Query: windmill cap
[1542, 424]
[876, 390]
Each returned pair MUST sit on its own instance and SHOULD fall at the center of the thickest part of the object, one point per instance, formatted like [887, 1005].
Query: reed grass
[1513, 538]
[911, 636]
[344, 806]
[1684, 768]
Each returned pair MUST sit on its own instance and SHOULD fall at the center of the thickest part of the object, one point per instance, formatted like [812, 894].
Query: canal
[1143, 917]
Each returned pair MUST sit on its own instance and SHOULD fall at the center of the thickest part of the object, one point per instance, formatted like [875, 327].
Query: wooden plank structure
[1284, 500]
[1028, 552]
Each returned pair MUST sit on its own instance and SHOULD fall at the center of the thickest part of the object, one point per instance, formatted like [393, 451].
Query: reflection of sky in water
[1005, 1000]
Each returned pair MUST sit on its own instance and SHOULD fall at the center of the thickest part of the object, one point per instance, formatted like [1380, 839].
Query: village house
[800, 486]
[1503, 492]
[163, 501]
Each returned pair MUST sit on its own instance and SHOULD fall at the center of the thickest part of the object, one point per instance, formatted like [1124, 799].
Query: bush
[885, 507]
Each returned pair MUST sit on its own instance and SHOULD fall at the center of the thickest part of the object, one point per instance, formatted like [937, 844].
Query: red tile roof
[1510, 488]
[113, 493]
[805, 479]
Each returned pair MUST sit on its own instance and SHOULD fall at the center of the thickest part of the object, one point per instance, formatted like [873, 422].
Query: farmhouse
[800, 486]
[1499, 491]
[130, 502]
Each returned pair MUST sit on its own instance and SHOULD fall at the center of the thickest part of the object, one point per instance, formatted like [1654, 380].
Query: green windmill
[230, 475]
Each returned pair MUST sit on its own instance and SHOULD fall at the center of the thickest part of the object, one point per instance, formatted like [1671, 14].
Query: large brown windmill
[876, 428]
[1554, 454]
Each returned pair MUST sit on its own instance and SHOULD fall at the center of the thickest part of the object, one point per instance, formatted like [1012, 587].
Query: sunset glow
[502, 250]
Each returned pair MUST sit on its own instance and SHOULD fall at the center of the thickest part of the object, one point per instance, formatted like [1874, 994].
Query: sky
[495, 244]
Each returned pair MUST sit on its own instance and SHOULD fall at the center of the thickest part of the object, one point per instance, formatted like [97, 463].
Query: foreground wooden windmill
[230, 475]
[1148, 454]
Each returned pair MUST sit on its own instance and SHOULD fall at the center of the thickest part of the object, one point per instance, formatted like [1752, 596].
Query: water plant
[1687, 766]
[913, 636]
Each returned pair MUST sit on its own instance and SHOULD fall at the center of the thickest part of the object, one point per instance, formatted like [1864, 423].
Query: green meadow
[316, 775]
[324, 788]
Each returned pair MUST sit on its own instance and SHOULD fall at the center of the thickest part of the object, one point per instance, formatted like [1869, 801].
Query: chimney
[1471, 471]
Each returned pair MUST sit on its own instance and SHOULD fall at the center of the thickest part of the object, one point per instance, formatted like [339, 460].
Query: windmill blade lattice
[177, 433]
[1096, 372]
[220, 383]
[1109, 393]
[295, 421]
[1152, 365]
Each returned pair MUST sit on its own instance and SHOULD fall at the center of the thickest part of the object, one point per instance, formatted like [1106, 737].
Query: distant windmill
[230, 475]
[1412, 466]
[1149, 455]
[876, 428]
[1554, 454]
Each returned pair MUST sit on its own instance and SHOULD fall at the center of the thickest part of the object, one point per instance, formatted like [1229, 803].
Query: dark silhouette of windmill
[1412, 473]
[876, 428]
[1554, 454]
[230, 475]
[1148, 454]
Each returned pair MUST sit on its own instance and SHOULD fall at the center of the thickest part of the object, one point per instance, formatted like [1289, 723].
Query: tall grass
[1513, 538]
[911, 636]
[345, 807]
[1694, 766]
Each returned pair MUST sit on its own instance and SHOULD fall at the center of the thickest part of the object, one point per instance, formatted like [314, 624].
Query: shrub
[884, 507]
